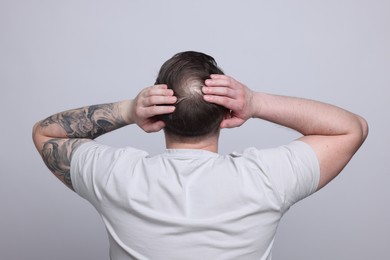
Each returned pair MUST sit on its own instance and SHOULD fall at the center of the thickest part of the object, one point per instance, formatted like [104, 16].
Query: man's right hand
[233, 95]
[335, 134]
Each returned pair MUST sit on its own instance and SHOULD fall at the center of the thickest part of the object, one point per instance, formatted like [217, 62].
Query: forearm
[307, 116]
[86, 122]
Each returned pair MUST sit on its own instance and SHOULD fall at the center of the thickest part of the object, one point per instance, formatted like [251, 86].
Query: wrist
[126, 111]
[257, 104]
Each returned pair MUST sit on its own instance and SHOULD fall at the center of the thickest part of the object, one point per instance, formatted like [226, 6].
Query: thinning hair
[185, 74]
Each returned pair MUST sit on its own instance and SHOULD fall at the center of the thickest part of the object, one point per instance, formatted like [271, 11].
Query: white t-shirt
[193, 204]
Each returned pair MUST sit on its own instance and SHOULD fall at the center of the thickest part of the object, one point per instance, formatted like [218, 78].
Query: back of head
[185, 74]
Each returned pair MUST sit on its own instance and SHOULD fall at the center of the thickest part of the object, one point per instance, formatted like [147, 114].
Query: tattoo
[80, 126]
[88, 122]
[57, 154]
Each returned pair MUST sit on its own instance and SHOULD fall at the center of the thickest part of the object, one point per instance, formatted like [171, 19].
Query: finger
[219, 91]
[225, 82]
[161, 86]
[148, 112]
[231, 122]
[227, 102]
[158, 100]
[219, 79]
[154, 127]
[159, 90]
[218, 76]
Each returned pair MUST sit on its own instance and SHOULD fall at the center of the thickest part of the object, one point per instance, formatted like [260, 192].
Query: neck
[204, 143]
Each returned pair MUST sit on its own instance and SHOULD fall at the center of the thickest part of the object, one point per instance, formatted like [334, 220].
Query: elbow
[36, 135]
[34, 131]
[364, 129]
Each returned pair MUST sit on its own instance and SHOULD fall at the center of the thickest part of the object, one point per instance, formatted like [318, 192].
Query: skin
[58, 136]
[334, 133]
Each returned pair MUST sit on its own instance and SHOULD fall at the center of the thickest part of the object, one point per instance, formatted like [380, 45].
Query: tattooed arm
[58, 136]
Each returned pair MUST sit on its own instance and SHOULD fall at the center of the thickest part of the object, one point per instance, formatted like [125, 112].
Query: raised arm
[58, 136]
[334, 133]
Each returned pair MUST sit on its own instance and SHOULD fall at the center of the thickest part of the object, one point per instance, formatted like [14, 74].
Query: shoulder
[292, 170]
[93, 164]
[293, 150]
[101, 152]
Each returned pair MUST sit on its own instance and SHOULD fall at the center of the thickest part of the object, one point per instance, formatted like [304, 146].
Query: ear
[227, 114]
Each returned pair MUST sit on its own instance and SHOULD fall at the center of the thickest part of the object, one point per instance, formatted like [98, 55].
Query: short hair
[185, 73]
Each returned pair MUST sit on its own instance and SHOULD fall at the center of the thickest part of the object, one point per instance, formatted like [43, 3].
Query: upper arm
[57, 154]
[333, 153]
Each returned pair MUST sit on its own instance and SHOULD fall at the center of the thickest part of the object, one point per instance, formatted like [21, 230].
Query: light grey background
[57, 55]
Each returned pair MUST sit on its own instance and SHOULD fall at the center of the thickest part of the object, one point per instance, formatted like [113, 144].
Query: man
[190, 202]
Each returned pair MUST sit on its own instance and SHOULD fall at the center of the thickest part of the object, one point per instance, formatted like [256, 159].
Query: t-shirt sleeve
[93, 168]
[293, 171]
